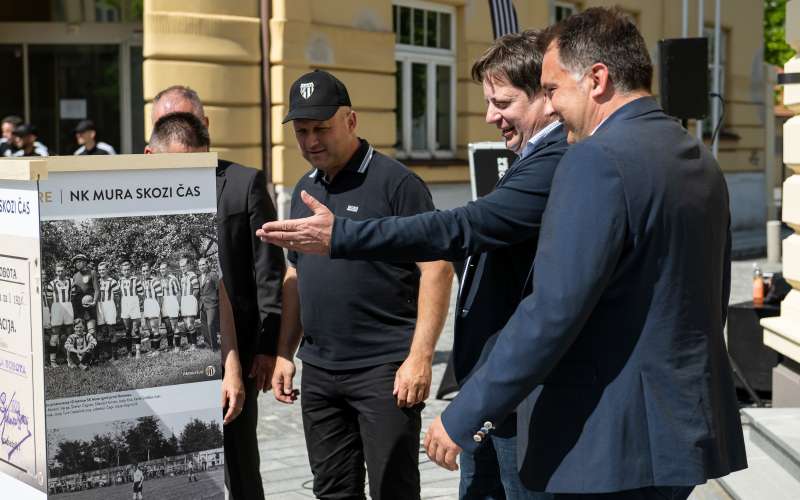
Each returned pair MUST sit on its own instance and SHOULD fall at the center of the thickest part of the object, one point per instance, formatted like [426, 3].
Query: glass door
[70, 83]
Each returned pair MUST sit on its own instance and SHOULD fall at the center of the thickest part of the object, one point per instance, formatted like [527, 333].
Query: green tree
[75, 456]
[145, 440]
[198, 436]
[776, 50]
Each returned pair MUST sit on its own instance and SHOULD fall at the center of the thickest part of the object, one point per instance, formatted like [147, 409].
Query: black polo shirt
[357, 314]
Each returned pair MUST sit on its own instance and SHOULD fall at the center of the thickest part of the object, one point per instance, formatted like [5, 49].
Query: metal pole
[700, 18]
[772, 173]
[715, 102]
[685, 20]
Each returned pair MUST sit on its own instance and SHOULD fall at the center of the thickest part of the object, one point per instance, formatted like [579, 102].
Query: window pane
[432, 29]
[66, 72]
[405, 25]
[12, 97]
[444, 30]
[419, 123]
[443, 89]
[399, 105]
[419, 27]
[137, 101]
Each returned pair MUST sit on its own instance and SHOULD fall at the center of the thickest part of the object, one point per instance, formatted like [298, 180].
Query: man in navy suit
[618, 356]
[497, 234]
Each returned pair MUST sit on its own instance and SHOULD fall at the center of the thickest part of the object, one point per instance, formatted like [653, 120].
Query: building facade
[406, 63]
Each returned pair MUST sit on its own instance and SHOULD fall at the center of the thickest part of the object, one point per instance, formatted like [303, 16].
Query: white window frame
[407, 55]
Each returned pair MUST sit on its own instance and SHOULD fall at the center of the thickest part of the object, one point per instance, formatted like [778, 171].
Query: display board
[126, 374]
[488, 162]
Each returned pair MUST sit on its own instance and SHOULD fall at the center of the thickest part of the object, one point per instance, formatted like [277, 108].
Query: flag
[504, 17]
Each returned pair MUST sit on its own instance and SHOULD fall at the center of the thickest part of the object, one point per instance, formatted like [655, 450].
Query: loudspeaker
[683, 77]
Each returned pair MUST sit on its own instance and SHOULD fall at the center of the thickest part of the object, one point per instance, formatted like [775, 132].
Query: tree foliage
[198, 435]
[140, 239]
[776, 50]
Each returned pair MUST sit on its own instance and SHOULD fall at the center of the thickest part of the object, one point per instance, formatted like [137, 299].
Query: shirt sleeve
[411, 197]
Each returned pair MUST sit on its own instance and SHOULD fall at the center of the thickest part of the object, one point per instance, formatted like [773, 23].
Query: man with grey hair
[252, 276]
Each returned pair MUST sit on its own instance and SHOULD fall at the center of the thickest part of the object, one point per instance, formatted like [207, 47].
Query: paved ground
[284, 461]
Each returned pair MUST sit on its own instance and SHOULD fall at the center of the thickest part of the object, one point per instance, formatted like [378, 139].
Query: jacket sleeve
[582, 238]
[269, 265]
[506, 216]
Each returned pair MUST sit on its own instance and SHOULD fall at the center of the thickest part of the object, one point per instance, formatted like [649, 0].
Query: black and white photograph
[129, 303]
[174, 455]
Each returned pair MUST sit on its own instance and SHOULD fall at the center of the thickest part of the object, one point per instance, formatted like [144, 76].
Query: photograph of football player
[209, 303]
[151, 321]
[138, 482]
[59, 301]
[132, 291]
[85, 292]
[190, 292]
[170, 308]
[80, 346]
[107, 312]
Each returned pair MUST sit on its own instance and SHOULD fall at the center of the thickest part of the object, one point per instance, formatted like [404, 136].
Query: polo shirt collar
[358, 163]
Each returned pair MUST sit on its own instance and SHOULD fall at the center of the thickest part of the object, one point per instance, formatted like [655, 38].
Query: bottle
[758, 285]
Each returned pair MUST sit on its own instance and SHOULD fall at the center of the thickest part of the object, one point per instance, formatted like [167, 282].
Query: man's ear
[601, 82]
[352, 120]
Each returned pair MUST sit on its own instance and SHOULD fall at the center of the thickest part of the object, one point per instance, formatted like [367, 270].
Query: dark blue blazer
[499, 232]
[618, 355]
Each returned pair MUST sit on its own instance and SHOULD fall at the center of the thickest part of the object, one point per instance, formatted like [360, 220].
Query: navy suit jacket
[618, 353]
[499, 232]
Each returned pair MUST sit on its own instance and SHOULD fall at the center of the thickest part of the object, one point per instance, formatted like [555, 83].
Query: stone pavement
[284, 460]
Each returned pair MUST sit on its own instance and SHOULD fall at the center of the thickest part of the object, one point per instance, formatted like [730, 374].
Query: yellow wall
[213, 47]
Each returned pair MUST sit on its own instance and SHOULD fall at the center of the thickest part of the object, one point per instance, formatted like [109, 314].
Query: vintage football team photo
[129, 303]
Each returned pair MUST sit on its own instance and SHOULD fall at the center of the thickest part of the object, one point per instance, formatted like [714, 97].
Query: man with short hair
[85, 292]
[178, 132]
[7, 144]
[80, 346]
[368, 330]
[151, 307]
[170, 307]
[132, 291]
[209, 302]
[24, 137]
[86, 137]
[497, 234]
[622, 374]
[107, 311]
[190, 293]
[62, 314]
[252, 274]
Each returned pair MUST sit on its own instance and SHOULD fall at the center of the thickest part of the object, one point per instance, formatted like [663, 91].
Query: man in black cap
[368, 329]
[86, 137]
[25, 136]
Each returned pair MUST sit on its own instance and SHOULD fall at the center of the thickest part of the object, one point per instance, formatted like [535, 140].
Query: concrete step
[772, 441]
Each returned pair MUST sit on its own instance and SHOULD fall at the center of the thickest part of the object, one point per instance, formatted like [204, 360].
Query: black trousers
[650, 493]
[350, 417]
[242, 461]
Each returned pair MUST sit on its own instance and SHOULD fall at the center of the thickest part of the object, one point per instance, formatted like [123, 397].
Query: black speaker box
[683, 77]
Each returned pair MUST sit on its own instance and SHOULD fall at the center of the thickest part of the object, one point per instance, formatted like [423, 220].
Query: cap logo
[306, 89]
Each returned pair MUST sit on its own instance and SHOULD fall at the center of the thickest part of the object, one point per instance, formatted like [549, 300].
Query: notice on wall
[22, 448]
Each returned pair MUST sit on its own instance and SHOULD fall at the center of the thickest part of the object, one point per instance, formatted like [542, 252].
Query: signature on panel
[14, 428]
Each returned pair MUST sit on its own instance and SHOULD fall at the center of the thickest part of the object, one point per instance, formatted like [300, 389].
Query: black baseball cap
[316, 96]
[83, 126]
[25, 129]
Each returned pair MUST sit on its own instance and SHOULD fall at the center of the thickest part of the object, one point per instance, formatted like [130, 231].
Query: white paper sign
[73, 109]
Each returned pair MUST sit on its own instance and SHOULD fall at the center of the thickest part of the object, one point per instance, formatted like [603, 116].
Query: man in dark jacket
[252, 274]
